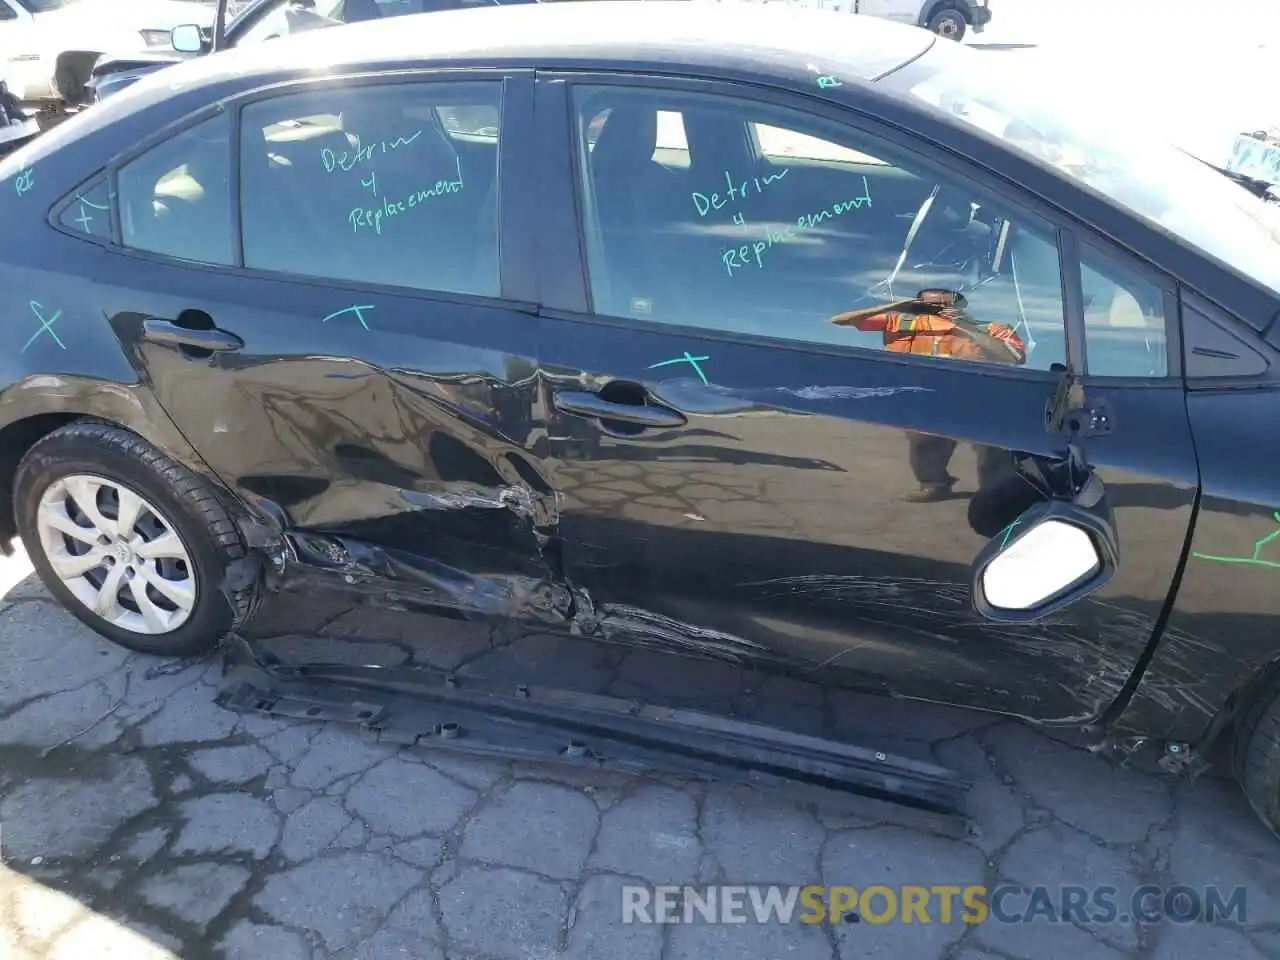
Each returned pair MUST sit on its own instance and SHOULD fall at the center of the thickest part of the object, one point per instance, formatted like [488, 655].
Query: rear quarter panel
[58, 353]
[1223, 627]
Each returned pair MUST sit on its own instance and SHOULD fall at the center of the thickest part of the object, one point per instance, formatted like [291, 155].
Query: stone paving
[139, 820]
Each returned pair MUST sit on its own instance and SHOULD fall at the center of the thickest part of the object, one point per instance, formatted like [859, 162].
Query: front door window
[808, 235]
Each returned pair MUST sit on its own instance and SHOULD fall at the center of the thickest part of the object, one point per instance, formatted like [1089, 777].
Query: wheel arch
[36, 407]
[16, 439]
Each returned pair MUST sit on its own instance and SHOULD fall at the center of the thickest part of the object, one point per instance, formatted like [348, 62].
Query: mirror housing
[1054, 554]
[187, 38]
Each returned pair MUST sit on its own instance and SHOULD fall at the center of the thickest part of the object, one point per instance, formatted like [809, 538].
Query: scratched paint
[688, 358]
[46, 326]
[1257, 549]
[1008, 532]
[24, 181]
[356, 308]
[827, 82]
[850, 393]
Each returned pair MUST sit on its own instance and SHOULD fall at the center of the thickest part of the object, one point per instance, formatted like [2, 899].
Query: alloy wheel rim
[117, 553]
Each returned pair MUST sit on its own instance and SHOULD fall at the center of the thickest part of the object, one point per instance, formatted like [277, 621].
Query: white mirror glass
[1045, 561]
[186, 38]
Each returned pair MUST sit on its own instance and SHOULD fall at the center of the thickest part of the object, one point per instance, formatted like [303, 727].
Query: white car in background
[48, 47]
[16, 127]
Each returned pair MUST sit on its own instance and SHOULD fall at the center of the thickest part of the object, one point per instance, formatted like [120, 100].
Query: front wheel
[949, 23]
[128, 540]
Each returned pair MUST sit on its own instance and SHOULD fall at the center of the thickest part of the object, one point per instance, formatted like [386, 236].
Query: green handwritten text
[347, 159]
[372, 218]
[734, 191]
[735, 258]
[1255, 559]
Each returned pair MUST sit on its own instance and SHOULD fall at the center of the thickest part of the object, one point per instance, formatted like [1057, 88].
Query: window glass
[1124, 320]
[389, 185]
[175, 198]
[7, 13]
[783, 225]
[88, 213]
[670, 146]
[774, 143]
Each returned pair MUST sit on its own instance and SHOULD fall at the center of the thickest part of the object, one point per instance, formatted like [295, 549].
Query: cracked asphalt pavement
[139, 820]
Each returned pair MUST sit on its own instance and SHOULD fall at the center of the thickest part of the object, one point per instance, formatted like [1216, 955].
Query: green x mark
[46, 326]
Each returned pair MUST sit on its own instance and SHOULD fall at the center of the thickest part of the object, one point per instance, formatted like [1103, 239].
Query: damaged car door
[815, 354]
[321, 310]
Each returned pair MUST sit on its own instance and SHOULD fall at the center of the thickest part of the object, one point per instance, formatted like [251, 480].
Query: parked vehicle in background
[263, 20]
[254, 23]
[49, 47]
[1256, 156]
[947, 18]
[16, 126]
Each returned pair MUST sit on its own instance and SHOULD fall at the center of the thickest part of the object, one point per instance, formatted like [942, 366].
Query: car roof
[693, 35]
[710, 38]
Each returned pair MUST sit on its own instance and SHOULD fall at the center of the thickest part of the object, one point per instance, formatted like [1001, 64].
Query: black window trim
[60, 207]
[1220, 319]
[517, 82]
[1068, 229]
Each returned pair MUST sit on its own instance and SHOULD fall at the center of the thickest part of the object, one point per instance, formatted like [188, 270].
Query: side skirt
[501, 720]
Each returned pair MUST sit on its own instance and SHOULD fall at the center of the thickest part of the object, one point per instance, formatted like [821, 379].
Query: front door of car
[358, 364]
[769, 430]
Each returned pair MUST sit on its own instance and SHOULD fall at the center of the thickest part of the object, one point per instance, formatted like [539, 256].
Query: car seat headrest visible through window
[629, 137]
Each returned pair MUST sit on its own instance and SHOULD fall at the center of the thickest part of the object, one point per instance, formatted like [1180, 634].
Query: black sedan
[815, 344]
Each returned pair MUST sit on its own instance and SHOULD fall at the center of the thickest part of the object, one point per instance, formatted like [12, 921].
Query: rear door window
[175, 199]
[392, 184]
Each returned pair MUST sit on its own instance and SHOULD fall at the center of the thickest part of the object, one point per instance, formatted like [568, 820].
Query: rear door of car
[738, 473]
[341, 343]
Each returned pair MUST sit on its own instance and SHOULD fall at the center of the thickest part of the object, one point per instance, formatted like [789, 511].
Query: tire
[101, 464]
[949, 22]
[1256, 757]
[71, 76]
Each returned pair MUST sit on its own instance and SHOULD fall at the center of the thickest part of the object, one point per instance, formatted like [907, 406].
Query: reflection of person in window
[935, 323]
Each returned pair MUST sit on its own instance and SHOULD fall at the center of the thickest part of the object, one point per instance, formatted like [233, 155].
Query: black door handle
[167, 332]
[592, 405]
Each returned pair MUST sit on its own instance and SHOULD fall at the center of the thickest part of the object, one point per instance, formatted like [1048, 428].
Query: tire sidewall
[59, 457]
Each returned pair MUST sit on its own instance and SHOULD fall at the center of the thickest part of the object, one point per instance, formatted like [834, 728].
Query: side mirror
[1055, 554]
[186, 38]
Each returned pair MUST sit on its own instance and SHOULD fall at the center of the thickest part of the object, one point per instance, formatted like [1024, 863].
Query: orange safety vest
[936, 335]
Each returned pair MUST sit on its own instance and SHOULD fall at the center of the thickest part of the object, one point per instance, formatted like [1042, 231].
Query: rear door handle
[593, 406]
[167, 332]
